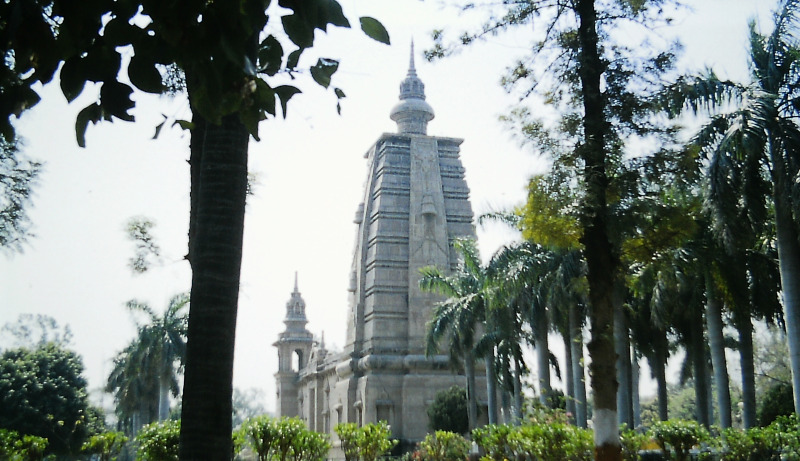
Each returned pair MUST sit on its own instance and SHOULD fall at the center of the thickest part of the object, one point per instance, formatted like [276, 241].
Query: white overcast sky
[311, 170]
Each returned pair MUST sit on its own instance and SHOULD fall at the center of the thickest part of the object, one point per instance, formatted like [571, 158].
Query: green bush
[786, 431]
[159, 441]
[444, 446]
[105, 446]
[282, 439]
[755, 444]
[366, 443]
[494, 441]
[632, 442]
[777, 401]
[553, 441]
[16, 447]
[448, 411]
[676, 437]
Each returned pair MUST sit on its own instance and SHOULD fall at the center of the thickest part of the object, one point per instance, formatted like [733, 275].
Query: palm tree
[144, 373]
[762, 129]
[459, 316]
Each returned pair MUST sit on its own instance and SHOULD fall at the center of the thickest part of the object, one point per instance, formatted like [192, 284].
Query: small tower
[294, 347]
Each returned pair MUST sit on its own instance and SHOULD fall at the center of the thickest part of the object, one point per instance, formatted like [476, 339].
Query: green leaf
[72, 82]
[144, 75]
[374, 29]
[270, 56]
[323, 71]
[339, 93]
[184, 124]
[91, 113]
[335, 15]
[265, 97]
[116, 100]
[294, 58]
[298, 30]
[285, 92]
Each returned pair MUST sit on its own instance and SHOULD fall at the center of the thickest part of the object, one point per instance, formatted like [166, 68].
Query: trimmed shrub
[444, 446]
[159, 441]
[676, 437]
[448, 411]
[366, 443]
[282, 439]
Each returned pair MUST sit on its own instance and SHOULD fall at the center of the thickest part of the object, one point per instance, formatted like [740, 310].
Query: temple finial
[411, 69]
[412, 113]
[295, 282]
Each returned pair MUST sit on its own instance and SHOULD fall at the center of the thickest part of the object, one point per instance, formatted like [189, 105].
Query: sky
[311, 172]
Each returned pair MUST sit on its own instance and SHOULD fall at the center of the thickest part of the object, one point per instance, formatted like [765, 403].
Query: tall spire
[295, 282]
[412, 113]
[411, 69]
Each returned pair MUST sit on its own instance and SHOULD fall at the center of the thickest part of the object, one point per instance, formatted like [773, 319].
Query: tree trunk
[491, 388]
[745, 327]
[163, 399]
[577, 371]
[602, 265]
[717, 344]
[789, 263]
[622, 346]
[659, 366]
[697, 354]
[516, 411]
[567, 377]
[219, 183]
[637, 407]
[472, 398]
[540, 330]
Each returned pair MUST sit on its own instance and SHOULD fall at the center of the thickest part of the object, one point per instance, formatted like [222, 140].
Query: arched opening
[297, 360]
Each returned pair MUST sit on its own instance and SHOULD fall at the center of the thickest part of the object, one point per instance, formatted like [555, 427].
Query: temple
[415, 203]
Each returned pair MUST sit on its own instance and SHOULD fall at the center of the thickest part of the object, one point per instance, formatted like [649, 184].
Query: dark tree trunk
[622, 346]
[635, 375]
[659, 365]
[567, 377]
[540, 330]
[491, 388]
[745, 327]
[789, 262]
[577, 370]
[697, 354]
[219, 182]
[717, 344]
[602, 265]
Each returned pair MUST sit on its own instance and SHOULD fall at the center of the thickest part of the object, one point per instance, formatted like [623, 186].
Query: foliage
[282, 439]
[18, 176]
[146, 250]
[448, 411]
[552, 441]
[16, 447]
[43, 393]
[246, 404]
[632, 442]
[366, 443]
[158, 441]
[676, 437]
[778, 400]
[750, 445]
[145, 371]
[444, 446]
[105, 445]
[32, 331]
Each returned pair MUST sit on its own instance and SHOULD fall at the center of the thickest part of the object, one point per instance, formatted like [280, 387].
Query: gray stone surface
[415, 203]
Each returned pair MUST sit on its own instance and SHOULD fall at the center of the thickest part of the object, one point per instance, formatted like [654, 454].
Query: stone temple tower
[415, 203]
[294, 348]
